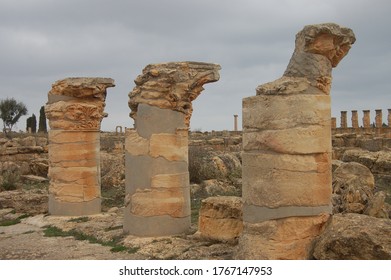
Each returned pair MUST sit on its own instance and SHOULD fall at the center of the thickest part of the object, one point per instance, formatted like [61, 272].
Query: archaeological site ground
[295, 183]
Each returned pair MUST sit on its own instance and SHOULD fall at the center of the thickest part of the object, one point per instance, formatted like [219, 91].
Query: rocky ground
[98, 237]
[360, 227]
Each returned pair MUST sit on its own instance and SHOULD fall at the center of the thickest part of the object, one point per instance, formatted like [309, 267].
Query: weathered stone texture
[287, 146]
[172, 85]
[75, 111]
[221, 218]
[354, 237]
[156, 152]
[280, 239]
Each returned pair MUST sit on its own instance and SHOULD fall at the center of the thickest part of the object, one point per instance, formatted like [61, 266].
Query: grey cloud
[46, 40]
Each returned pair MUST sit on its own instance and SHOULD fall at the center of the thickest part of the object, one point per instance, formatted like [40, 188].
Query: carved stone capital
[77, 103]
[172, 85]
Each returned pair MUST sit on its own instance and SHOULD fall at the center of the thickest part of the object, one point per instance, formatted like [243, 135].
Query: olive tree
[10, 113]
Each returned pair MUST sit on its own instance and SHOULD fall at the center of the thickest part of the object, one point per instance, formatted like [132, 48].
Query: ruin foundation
[287, 150]
[156, 151]
[75, 111]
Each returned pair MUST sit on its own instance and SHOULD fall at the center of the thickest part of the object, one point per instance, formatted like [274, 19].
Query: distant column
[344, 119]
[333, 123]
[235, 122]
[366, 119]
[156, 152]
[75, 111]
[354, 119]
[379, 118]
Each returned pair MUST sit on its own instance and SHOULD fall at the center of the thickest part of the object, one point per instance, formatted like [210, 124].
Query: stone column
[156, 152]
[354, 119]
[75, 111]
[286, 156]
[379, 118]
[366, 119]
[389, 117]
[333, 123]
[344, 119]
[235, 122]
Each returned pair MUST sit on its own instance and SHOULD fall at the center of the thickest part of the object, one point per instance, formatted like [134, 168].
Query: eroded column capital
[172, 85]
[318, 49]
[327, 39]
[77, 103]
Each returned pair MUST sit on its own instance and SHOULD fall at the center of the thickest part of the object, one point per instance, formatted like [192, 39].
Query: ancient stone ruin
[287, 150]
[156, 151]
[75, 111]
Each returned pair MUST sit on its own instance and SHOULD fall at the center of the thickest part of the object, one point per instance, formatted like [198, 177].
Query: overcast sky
[42, 41]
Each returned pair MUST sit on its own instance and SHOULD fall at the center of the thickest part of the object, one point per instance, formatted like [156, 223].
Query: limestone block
[174, 202]
[63, 136]
[173, 147]
[82, 176]
[287, 111]
[221, 218]
[288, 180]
[154, 120]
[135, 144]
[155, 225]
[143, 168]
[283, 239]
[300, 140]
[66, 192]
[169, 181]
[73, 152]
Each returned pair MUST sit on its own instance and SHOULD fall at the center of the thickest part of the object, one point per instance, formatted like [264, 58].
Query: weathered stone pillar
[156, 152]
[366, 120]
[379, 118]
[344, 119]
[235, 122]
[354, 119]
[75, 111]
[287, 150]
[333, 123]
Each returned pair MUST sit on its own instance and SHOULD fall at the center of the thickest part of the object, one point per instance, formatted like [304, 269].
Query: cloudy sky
[42, 41]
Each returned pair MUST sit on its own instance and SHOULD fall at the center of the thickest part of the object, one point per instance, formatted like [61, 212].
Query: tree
[42, 121]
[32, 123]
[10, 113]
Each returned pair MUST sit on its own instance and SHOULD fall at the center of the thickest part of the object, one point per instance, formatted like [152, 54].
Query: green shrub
[10, 180]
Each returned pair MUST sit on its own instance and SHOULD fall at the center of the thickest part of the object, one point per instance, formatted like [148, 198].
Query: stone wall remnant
[156, 151]
[287, 150]
[75, 111]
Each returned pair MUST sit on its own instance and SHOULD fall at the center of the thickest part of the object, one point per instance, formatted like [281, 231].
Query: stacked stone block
[355, 119]
[366, 120]
[75, 111]
[287, 150]
[156, 151]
